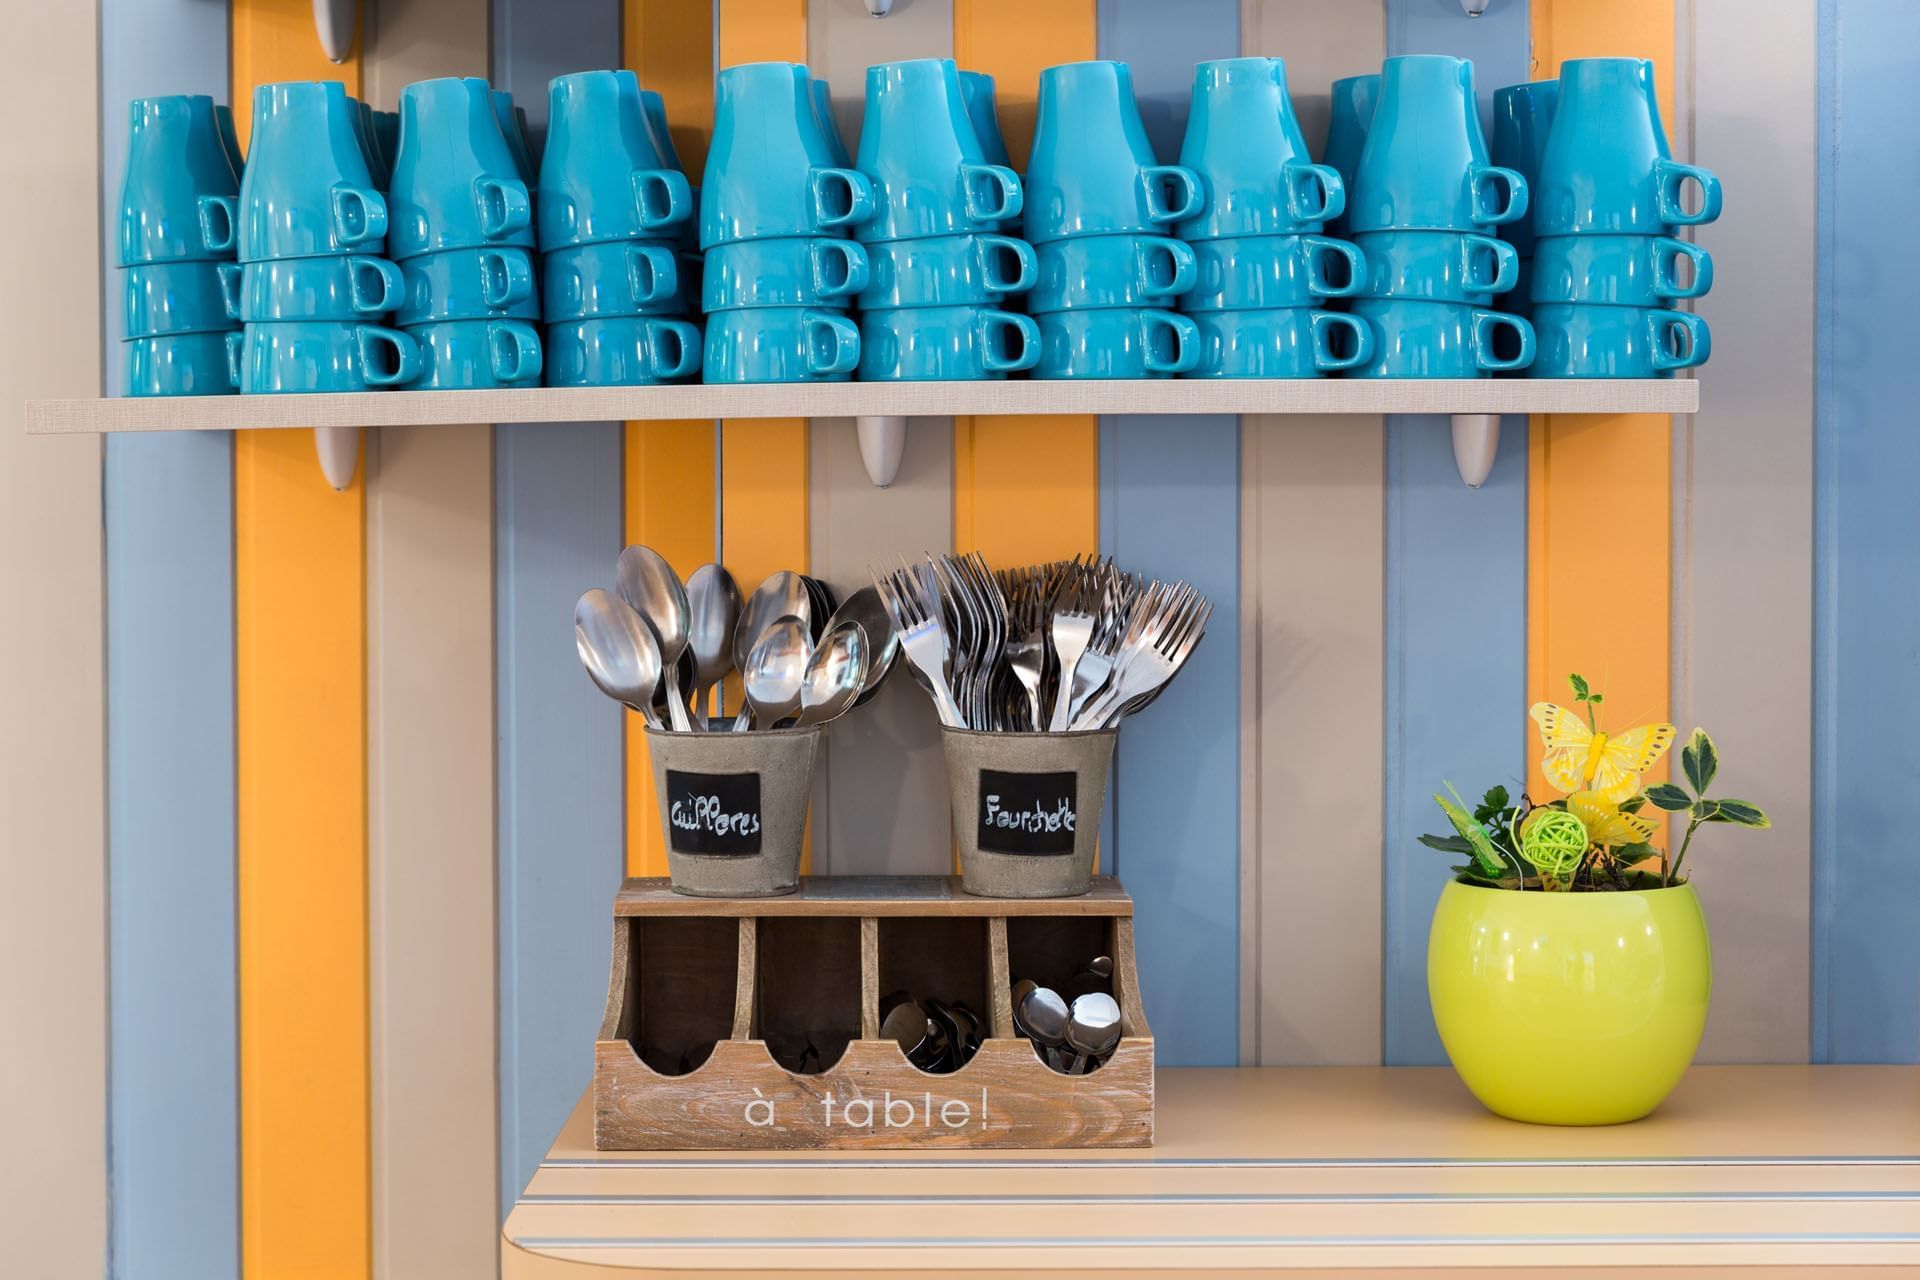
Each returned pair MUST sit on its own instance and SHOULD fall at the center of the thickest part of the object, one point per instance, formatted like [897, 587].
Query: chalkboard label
[1031, 813]
[715, 813]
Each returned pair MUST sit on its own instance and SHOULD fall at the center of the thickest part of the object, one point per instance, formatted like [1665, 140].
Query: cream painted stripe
[53, 981]
[1743, 507]
[899, 828]
[1312, 512]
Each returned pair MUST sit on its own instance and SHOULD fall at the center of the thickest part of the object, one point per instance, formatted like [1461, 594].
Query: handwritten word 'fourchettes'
[1038, 818]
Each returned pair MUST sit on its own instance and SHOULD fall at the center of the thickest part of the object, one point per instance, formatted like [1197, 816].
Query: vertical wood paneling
[671, 47]
[1312, 557]
[762, 31]
[557, 526]
[1866, 899]
[53, 915]
[300, 703]
[1456, 680]
[843, 40]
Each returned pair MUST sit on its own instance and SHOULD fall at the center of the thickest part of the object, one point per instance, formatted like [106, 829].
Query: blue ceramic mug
[945, 344]
[179, 364]
[977, 88]
[321, 355]
[1584, 341]
[1522, 118]
[1092, 171]
[174, 297]
[619, 278]
[602, 177]
[513, 127]
[1353, 102]
[654, 107]
[1425, 165]
[794, 271]
[1116, 342]
[780, 344]
[176, 194]
[386, 132]
[1293, 343]
[1606, 167]
[457, 354]
[1628, 271]
[1519, 299]
[917, 146]
[229, 141]
[1245, 144]
[822, 94]
[468, 284]
[1267, 273]
[350, 286]
[1111, 271]
[307, 190]
[379, 164]
[946, 271]
[1442, 266]
[456, 183]
[1413, 338]
[621, 351]
[769, 170]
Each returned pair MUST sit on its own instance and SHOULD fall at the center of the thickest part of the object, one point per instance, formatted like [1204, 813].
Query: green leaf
[1703, 810]
[1666, 795]
[1495, 799]
[1447, 844]
[1579, 683]
[1628, 854]
[1485, 856]
[1740, 813]
[1597, 699]
[1700, 761]
[1634, 804]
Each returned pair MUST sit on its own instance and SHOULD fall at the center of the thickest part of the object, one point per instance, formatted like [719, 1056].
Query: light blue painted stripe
[1866, 918]
[173, 1124]
[1456, 599]
[557, 513]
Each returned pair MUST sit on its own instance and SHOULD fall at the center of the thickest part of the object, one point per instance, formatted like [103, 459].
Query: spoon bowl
[775, 671]
[1093, 1029]
[618, 651]
[713, 606]
[784, 595]
[836, 673]
[883, 642]
[649, 585]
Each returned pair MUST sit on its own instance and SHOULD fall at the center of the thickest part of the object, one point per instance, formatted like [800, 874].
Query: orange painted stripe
[1600, 489]
[669, 45]
[1025, 489]
[762, 31]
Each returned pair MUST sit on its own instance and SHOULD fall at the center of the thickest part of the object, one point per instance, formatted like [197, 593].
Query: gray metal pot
[733, 808]
[1026, 809]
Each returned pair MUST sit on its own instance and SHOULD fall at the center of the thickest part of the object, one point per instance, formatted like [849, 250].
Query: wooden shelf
[862, 399]
[1375, 1171]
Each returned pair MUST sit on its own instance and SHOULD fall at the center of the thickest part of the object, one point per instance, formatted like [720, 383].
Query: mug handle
[218, 217]
[1325, 358]
[653, 273]
[841, 332]
[1477, 250]
[406, 355]
[1159, 180]
[980, 183]
[1319, 250]
[1673, 177]
[858, 189]
[503, 206]
[853, 267]
[687, 348]
[1667, 253]
[231, 274]
[358, 216]
[1182, 267]
[233, 345]
[513, 349]
[1699, 340]
[1027, 354]
[1303, 182]
[992, 249]
[1487, 180]
[506, 279]
[1484, 323]
[364, 271]
[1186, 341]
[661, 198]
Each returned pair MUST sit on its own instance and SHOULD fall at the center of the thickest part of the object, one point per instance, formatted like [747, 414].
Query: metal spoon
[618, 651]
[1093, 1029]
[1045, 1016]
[775, 670]
[646, 581]
[784, 595]
[836, 673]
[883, 642]
[713, 605]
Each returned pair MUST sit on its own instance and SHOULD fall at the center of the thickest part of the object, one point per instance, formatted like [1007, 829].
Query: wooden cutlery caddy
[737, 972]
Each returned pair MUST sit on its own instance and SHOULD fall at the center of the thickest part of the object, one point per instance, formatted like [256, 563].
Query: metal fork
[922, 636]
[1166, 638]
[1070, 630]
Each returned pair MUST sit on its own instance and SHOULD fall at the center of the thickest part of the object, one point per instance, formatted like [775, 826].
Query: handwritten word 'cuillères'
[1038, 818]
[704, 813]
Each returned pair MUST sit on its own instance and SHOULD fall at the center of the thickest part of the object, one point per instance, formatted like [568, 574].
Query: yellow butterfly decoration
[1606, 825]
[1580, 758]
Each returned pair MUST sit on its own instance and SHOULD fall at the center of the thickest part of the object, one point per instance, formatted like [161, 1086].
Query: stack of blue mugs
[775, 211]
[1255, 269]
[1606, 263]
[937, 268]
[1522, 114]
[1099, 207]
[611, 210]
[1423, 210]
[462, 234]
[176, 230]
[1352, 100]
[313, 275]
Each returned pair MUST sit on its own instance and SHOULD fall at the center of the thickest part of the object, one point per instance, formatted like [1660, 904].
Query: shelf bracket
[883, 442]
[335, 21]
[339, 450]
[1476, 438]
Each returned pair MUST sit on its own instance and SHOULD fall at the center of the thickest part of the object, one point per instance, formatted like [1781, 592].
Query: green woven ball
[1554, 842]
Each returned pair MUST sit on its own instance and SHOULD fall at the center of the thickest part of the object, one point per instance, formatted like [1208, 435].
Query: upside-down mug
[180, 364]
[1413, 338]
[781, 344]
[321, 355]
[307, 190]
[1606, 168]
[1441, 266]
[1580, 340]
[1092, 170]
[1111, 271]
[792, 271]
[911, 344]
[946, 271]
[621, 351]
[617, 278]
[1267, 273]
[178, 188]
[1425, 165]
[917, 146]
[602, 177]
[770, 171]
[351, 286]
[467, 284]
[1116, 342]
[1628, 271]
[1246, 146]
[476, 353]
[1295, 342]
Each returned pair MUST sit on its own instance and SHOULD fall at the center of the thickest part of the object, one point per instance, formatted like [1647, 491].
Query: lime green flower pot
[1569, 1008]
